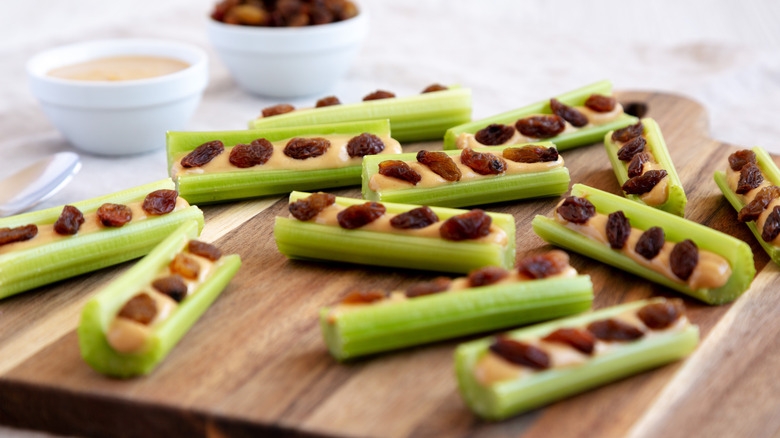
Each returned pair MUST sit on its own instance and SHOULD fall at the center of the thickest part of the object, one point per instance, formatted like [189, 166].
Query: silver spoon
[37, 182]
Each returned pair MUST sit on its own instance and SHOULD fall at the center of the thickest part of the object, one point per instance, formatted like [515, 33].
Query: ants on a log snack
[514, 372]
[682, 255]
[644, 168]
[425, 116]
[456, 178]
[542, 287]
[751, 183]
[221, 166]
[42, 247]
[130, 326]
[325, 227]
[572, 119]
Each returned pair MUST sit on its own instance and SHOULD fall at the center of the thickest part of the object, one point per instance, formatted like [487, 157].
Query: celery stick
[506, 398]
[563, 141]
[415, 118]
[223, 186]
[388, 326]
[67, 257]
[675, 203]
[771, 173]
[311, 241]
[101, 310]
[677, 229]
[493, 188]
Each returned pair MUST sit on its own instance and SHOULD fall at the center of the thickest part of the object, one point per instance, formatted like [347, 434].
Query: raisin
[753, 210]
[581, 340]
[636, 109]
[494, 134]
[439, 284]
[441, 164]
[531, 154]
[114, 215]
[484, 163]
[69, 222]
[614, 330]
[364, 296]
[379, 94]
[433, 87]
[160, 202]
[173, 286]
[750, 177]
[577, 210]
[544, 126]
[205, 250]
[328, 101]
[520, 353]
[278, 109]
[650, 243]
[141, 308]
[631, 148]
[661, 315]
[684, 258]
[543, 265]
[364, 144]
[203, 154]
[471, 225]
[772, 225]
[307, 208]
[637, 164]
[631, 131]
[487, 276]
[644, 182]
[419, 217]
[256, 153]
[601, 103]
[400, 170]
[571, 115]
[356, 216]
[618, 229]
[303, 148]
[18, 234]
[738, 159]
[185, 266]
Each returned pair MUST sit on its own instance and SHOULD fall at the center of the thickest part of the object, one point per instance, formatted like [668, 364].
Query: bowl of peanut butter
[119, 97]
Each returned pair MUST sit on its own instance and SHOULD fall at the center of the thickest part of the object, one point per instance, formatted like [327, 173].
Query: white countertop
[509, 52]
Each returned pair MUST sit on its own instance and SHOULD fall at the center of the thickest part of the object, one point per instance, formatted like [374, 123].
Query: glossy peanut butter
[119, 68]
[733, 181]
[660, 192]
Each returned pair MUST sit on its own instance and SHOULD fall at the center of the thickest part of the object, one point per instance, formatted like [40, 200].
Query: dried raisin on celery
[650, 243]
[531, 154]
[69, 222]
[433, 87]
[306, 208]
[601, 103]
[644, 183]
[571, 115]
[185, 266]
[543, 265]
[684, 258]
[275, 110]
[576, 209]
[441, 164]
[581, 340]
[739, 159]
[400, 170]
[484, 163]
[629, 132]
[438, 284]
[487, 275]
[364, 144]
[772, 225]
[750, 177]
[471, 225]
[203, 154]
[160, 202]
[494, 134]
[520, 353]
[753, 210]
[631, 148]
[379, 94]
[141, 308]
[173, 286]
[18, 234]
[328, 101]
[204, 249]
[302, 148]
[256, 153]
[114, 215]
[356, 216]
[637, 164]
[659, 316]
[364, 296]
[614, 330]
[618, 229]
[544, 126]
[416, 218]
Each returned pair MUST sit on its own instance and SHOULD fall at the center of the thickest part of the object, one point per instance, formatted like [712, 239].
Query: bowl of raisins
[287, 48]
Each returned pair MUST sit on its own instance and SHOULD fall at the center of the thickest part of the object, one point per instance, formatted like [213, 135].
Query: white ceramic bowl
[119, 117]
[289, 61]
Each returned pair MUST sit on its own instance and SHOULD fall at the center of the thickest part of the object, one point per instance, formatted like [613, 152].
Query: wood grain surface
[256, 364]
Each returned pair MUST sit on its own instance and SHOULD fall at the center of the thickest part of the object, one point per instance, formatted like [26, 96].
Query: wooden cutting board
[255, 363]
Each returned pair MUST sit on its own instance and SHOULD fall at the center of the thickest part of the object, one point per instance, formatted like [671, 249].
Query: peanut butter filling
[660, 192]
[335, 157]
[733, 181]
